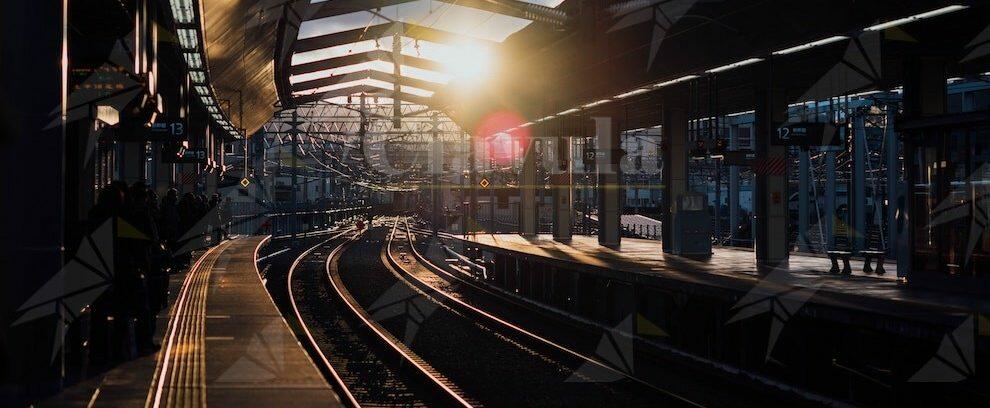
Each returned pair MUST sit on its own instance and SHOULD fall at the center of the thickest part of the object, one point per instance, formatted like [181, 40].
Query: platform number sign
[589, 156]
[806, 134]
[197, 155]
[168, 130]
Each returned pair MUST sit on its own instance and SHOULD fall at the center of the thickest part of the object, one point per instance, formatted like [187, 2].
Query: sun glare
[468, 62]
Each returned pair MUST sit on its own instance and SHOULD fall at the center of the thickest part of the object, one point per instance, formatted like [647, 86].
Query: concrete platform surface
[223, 342]
[737, 270]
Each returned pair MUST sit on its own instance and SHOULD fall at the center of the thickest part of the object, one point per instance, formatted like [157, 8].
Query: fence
[249, 218]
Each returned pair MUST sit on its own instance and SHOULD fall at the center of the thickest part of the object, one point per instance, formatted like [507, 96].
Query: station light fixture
[545, 118]
[813, 44]
[202, 90]
[218, 117]
[633, 92]
[749, 112]
[207, 100]
[916, 17]
[527, 124]
[183, 11]
[596, 103]
[188, 38]
[213, 109]
[734, 65]
[193, 60]
[675, 81]
[198, 77]
[568, 112]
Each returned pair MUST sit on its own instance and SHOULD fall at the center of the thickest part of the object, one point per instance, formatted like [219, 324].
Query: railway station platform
[223, 342]
[641, 261]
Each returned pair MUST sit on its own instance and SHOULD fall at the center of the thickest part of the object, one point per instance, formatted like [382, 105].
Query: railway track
[490, 364]
[367, 366]
[576, 335]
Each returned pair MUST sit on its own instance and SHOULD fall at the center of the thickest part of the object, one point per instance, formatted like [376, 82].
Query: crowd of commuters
[151, 238]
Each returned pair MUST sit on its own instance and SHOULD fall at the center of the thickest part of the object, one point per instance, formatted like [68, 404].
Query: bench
[834, 256]
[870, 255]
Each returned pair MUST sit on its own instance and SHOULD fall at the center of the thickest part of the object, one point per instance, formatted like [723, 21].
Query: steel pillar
[770, 194]
[473, 183]
[436, 166]
[675, 167]
[734, 187]
[133, 163]
[527, 192]
[563, 191]
[609, 176]
[894, 183]
[858, 193]
[804, 164]
[829, 200]
[925, 95]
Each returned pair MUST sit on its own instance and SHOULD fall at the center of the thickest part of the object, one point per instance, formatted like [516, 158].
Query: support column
[675, 167]
[33, 211]
[132, 162]
[804, 165]
[164, 176]
[770, 195]
[436, 166]
[294, 134]
[734, 187]
[925, 95]
[894, 185]
[829, 200]
[609, 176]
[527, 191]
[563, 192]
[473, 184]
[858, 193]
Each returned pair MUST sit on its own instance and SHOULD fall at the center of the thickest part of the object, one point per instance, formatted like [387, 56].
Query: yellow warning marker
[245, 182]
[646, 327]
[898, 34]
[126, 230]
[484, 183]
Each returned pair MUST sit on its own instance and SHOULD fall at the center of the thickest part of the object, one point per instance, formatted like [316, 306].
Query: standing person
[169, 221]
[213, 212]
[187, 217]
[143, 281]
[226, 217]
[109, 206]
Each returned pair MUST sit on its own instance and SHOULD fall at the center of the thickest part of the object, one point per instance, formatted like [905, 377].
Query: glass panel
[951, 205]
[365, 81]
[376, 65]
[448, 17]
[410, 47]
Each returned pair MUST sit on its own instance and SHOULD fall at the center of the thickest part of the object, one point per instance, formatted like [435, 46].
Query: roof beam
[358, 89]
[379, 31]
[352, 59]
[513, 8]
[370, 73]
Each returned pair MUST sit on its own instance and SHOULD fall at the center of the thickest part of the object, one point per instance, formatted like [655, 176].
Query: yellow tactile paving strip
[180, 378]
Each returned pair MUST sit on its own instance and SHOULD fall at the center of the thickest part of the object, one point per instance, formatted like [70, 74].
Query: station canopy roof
[407, 50]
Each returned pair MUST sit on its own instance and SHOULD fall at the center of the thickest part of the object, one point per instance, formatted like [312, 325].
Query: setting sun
[468, 61]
